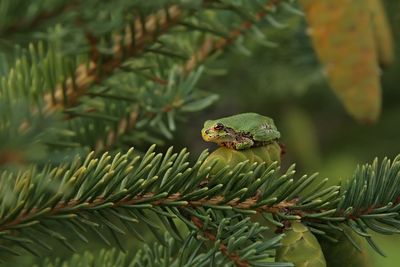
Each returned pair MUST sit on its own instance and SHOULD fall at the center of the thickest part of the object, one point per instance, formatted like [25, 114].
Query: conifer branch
[189, 252]
[224, 249]
[179, 96]
[127, 185]
[213, 44]
[176, 200]
[124, 125]
[88, 73]
[24, 25]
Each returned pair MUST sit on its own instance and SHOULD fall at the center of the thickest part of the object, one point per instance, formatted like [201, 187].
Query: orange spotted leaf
[382, 33]
[343, 39]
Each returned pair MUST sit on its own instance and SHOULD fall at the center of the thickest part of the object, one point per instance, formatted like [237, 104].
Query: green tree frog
[241, 131]
[246, 136]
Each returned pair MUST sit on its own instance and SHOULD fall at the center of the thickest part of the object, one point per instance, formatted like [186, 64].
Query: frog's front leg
[243, 143]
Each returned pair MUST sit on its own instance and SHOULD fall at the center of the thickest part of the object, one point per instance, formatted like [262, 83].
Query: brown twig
[155, 26]
[94, 52]
[125, 124]
[235, 203]
[222, 247]
[26, 25]
[11, 156]
[212, 44]
[283, 207]
[87, 74]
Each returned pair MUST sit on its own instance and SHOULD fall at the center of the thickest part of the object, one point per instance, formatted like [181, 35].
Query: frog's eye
[219, 126]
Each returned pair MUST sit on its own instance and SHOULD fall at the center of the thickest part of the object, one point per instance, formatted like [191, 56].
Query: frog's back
[261, 127]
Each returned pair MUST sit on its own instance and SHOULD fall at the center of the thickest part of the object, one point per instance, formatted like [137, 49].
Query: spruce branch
[239, 239]
[127, 46]
[21, 141]
[190, 252]
[211, 45]
[18, 25]
[97, 191]
[88, 73]
[222, 247]
[147, 116]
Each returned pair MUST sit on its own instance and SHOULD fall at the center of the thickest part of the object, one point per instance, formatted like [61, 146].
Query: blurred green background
[287, 84]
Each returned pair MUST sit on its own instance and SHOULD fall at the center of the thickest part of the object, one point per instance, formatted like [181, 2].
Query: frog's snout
[206, 134]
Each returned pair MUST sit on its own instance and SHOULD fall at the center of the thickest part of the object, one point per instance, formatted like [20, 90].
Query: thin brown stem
[124, 125]
[234, 257]
[87, 74]
[11, 156]
[212, 44]
[22, 25]
[25, 216]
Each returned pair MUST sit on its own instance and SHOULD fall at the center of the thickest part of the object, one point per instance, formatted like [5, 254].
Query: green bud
[300, 247]
[227, 156]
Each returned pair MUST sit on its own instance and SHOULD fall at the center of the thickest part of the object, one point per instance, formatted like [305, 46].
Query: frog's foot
[244, 143]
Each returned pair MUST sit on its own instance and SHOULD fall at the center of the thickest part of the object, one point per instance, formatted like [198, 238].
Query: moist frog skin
[242, 131]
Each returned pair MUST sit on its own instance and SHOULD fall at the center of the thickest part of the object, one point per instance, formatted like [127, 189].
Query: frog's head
[217, 132]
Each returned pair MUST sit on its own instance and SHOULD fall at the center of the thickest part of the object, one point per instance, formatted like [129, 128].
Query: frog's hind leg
[266, 133]
[243, 143]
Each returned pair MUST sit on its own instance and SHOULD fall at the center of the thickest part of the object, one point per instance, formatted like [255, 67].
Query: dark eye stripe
[219, 126]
